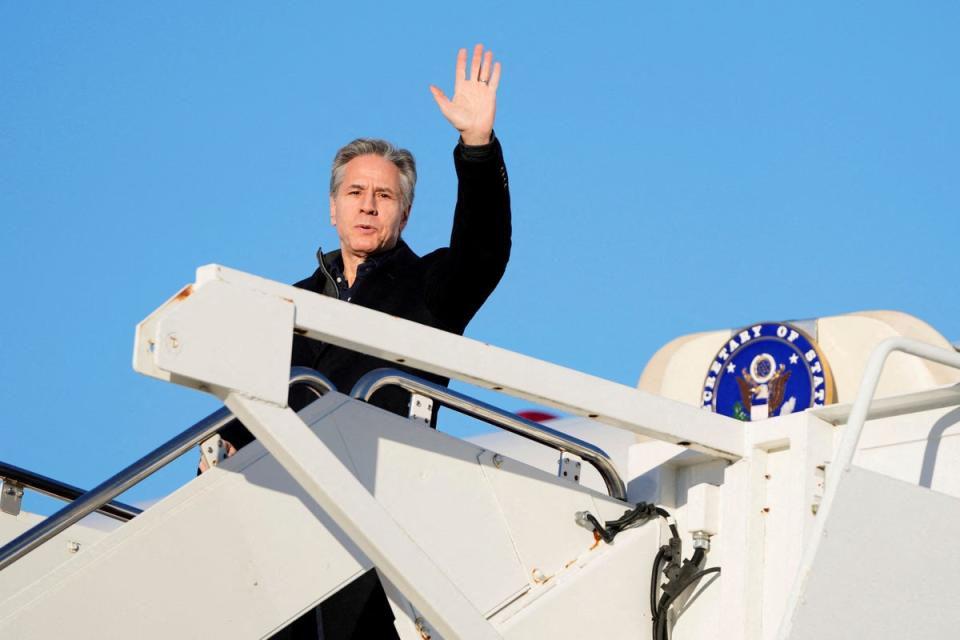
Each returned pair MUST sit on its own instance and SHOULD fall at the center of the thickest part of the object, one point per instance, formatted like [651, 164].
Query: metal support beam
[256, 311]
[838, 414]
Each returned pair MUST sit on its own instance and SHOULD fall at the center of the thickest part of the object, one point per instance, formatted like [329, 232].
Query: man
[371, 193]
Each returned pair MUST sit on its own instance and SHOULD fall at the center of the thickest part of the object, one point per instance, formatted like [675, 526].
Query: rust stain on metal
[184, 293]
[596, 540]
[422, 628]
[569, 564]
[539, 577]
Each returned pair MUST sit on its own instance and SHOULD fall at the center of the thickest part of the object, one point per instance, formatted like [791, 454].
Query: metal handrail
[868, 387]
[842, 462]
[63, 491]
[379, 378]
[134, 473]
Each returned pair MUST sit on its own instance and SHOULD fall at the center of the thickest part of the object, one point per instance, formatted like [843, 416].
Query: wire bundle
[680, 574]
[679, 579]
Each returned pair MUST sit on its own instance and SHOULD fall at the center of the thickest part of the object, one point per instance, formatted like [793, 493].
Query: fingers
[439, 97]
[438, 94]
[472, 107]
[495, 77]
[475, 62]
[443, 102]
[461, 68]
[487, 66]
[482, 68]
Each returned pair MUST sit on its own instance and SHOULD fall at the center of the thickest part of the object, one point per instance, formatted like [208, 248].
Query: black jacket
[443, 289]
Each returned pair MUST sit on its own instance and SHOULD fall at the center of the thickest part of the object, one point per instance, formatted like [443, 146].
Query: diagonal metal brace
[335, 489]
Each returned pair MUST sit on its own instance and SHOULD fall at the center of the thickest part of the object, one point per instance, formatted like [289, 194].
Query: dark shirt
[345, 291]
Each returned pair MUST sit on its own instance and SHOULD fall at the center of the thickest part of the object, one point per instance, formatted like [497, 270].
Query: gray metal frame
[379, 378]
[158, 458]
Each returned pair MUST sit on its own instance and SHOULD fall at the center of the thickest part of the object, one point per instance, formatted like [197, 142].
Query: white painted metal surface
[884, 568]
[219, 337]
[600, 597]
[58, 550]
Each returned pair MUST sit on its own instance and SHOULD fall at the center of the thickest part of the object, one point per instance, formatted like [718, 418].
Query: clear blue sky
[674, 168]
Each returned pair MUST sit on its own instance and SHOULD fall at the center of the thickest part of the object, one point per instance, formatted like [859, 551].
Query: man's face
[367, 210]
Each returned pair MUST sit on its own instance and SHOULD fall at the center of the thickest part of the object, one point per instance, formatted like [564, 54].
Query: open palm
[474, 104]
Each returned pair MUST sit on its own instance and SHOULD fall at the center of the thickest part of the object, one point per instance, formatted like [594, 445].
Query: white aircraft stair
[242, 550]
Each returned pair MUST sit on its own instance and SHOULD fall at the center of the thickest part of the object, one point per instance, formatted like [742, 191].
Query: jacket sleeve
[469, 271]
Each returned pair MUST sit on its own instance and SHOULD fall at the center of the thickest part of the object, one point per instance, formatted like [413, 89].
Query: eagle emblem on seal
[767, 370]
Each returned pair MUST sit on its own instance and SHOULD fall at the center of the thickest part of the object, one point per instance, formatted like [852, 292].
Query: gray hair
[402, 158]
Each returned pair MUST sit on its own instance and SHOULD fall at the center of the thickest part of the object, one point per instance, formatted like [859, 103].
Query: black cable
[655, 578]
[679, 575]
[699, 575]
[598, 528]
[660, 620]
[641, 513]
[679, 578]
[660, 616]
[670, 522]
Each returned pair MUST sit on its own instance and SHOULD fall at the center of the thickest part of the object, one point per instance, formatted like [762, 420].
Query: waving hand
[474, 104]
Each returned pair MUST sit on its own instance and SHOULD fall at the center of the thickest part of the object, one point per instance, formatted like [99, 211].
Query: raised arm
[465, 274]
[474, 104]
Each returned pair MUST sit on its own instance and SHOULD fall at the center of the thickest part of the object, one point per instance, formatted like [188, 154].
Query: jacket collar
[399, 254]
